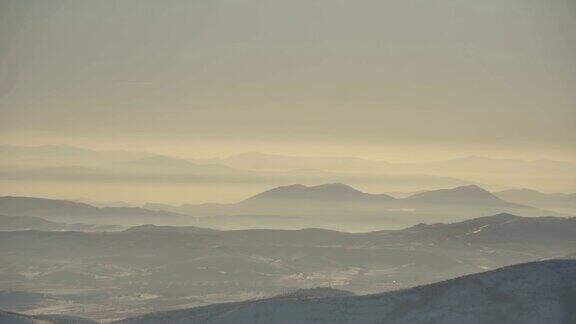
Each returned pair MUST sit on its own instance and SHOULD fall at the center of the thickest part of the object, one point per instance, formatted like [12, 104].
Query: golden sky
[397, 80]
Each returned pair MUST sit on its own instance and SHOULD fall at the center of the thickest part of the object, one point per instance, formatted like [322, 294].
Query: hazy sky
[399, 79]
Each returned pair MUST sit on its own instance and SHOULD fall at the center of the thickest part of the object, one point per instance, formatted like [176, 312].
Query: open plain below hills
[533, 293]
[114, 275]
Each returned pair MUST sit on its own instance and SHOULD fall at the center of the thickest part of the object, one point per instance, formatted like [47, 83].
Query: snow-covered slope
[539, 292]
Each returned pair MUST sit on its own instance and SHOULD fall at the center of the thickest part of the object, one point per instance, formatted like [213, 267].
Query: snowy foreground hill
[538, 292]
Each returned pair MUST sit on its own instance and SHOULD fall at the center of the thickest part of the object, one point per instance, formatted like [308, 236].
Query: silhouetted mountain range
[331, 193]
[334, 202]
[461, 195]
[336, 206]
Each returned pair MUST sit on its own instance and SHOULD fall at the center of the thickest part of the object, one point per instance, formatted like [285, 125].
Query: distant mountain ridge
[294, 206]
[65, 165]
[561, 202]
[339, 192]
[463, 194]
[266, 161]
[340, 199]
[501, 228]
[488, 229]
[69, 211]
[542, 174]
[335, 192]
[19, 223]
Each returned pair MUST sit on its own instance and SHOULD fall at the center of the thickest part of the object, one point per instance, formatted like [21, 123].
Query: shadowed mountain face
[540, 292]
[150, 268]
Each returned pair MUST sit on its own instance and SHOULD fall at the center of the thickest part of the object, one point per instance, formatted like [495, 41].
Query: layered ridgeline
[61, 168]
[150, 268]
[339, 206]
[561, 202]
[77, 212]
[139, 173]
[540, 292]
[334, 206]
[336, 195]
[21, 223]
